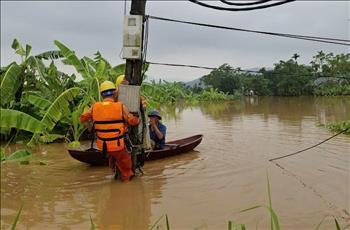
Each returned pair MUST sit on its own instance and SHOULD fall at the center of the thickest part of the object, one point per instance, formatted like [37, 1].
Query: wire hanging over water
[328, 40]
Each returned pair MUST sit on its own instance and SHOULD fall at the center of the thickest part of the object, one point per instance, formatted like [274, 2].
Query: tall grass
[232, 225]
[274, 223]
[15, 221]
[92, 227]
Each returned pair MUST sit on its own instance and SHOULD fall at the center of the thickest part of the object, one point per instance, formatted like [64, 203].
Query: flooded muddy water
[204, 188]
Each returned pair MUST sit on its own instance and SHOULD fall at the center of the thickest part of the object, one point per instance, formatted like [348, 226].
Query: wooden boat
[93, 156]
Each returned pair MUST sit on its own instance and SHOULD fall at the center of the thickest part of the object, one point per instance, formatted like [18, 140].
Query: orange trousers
[122, 161]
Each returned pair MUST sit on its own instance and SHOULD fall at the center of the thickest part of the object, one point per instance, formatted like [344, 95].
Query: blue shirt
[159, 143]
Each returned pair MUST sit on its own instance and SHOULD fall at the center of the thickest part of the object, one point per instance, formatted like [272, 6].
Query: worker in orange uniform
[110, 120]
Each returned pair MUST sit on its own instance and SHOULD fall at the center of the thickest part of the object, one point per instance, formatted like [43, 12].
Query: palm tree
[295, 57]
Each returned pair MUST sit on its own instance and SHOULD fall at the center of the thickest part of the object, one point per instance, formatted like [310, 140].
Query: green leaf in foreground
[19, 155]
[48, 138]
[14, 223]
[274, 218]
[269, 196]
[10, 83]
[229, 227]
[155, 223]
[167, 222]
[232, 226]
[73, 144]
[16, 119]
[319, 225]
[272, 213]
[337, 224]
[2, 154]
[92, 224]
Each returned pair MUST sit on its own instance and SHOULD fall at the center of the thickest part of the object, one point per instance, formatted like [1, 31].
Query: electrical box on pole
[132, 37]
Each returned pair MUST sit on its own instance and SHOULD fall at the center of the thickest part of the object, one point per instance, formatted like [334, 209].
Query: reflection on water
[206, 187]
[286, 109]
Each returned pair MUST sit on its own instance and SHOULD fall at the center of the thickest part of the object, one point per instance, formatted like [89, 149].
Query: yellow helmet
[107, 85]
[119, 80]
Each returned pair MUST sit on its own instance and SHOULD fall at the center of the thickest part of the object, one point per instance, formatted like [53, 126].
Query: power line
[244, 3]
[242, 9]
[313, 146]
[197, 66]
[295, 36]
[267, 72]
[181, 65]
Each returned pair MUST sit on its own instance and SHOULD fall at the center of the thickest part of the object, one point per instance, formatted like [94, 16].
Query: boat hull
[93, 156]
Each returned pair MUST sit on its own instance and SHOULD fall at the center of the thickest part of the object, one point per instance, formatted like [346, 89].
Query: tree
[225, 79]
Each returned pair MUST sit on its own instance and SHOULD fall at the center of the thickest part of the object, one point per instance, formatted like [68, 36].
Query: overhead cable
[181, 65]
[198, 67]
[238, 69]
[244, 3]
[336, 41]
[242, 9]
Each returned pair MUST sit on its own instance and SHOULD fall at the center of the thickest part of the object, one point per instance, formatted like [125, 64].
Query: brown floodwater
[204, 188]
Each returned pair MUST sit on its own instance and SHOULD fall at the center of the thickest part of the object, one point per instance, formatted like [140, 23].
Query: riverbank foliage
[326, 75]
[340, 126]
[163, 92]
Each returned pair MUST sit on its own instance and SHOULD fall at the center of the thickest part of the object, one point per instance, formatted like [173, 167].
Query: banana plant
[34, 92]
[58, 109]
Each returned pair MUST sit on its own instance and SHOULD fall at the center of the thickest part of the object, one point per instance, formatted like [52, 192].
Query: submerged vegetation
[164, 92]
[340, 126]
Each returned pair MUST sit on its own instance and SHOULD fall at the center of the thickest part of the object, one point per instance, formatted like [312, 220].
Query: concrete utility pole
[134, 67]
[133, 74]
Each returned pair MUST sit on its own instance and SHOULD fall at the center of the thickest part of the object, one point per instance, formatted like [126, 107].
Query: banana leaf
[100, 69]
[18, 155]
[73, 59]
[59, 106]
[118, 70]
[98, 57]
[48, 138]
[56, 110]
[54, 54]
[94, 89]
[39, 102]
[10, 84]
[15, 119]
[18, 48]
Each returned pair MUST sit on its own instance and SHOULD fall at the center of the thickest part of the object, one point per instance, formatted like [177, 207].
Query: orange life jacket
[109, 125]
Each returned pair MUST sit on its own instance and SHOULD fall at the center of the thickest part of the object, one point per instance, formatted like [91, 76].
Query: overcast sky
[90, 26]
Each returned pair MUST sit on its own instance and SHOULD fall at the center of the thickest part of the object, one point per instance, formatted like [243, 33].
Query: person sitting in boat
[110, 120]
[157, 130]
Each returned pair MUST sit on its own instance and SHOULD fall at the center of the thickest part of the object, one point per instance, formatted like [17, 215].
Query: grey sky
[90, 26]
